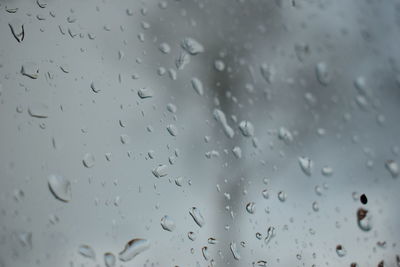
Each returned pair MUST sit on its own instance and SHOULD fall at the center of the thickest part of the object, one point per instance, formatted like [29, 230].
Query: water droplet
[192, 236]
[340, 251]
[265, 193]
[234, 251]
[270, 235]
[393, 168]
[134, 248]
[38, 110]
[212, 241]
[87, 252]
[246, 128]
[327, 171]
[182, 60]
[364, 219]
[285, 135]
[171, 108]
[315, 206]
[192, 46]
[363, 199]
[17, 30]
[88, 160]
[306, 165]
[260, 263]
[165, 48]
[167, 223]
[25, 239]
[145, 93]
[109, 259]
[237, 151]
[197, 86]
[267, 72]
[251, 207]
[205, 253]
[219, 65]
[172, 130]
[220, 117]
[60, 187]
[258, 235]
[323, 74]
[160, 171]
[197, 217]
[282, 196]
[30, 70]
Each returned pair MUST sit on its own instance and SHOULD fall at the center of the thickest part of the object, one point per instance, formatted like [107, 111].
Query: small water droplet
[145, 93]
[192, 236]
[364, 219]
[165, 48]
[172, 130]
[251, 207]
[109, 259]
[220, 117]
[30, 70]
[197, 86]
[340, 251]
[167, 223]
[60, 187]
[282, 196]
[38, 110]
[246, 128]
[323, 74]
[393, 168]
[306, 165]
[182, 60]
[87, 251]
[267, 72]
[160, 171]
[219, 65]
[88, 160]
[197, 217]
[234, 251]
[205, 253]
[315, 206]
[237, 152]
[192, 46]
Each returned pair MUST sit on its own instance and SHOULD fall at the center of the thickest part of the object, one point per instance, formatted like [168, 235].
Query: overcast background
[115, 45]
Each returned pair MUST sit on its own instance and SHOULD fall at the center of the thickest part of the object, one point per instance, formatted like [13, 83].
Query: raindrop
[17, 30]
[260, 263]
[237, 151]
[327, 171]
[246, 128]
[145, 93]
[323, 75]
[270, 235]
[285, 135]
[87, 251]
[315, 206]
[109, 259]
[393, 168]
[60, 187]
[171, 108]
[88, 160]
[282, 196]
[364, 219]
[265, 193]
[234, 251]
[267, 72]
[197, 86]
[197, 217]
[192, 236]
[165, 48]
[134, 248]
[306, 165]
[30, 70]
[205, 253]
[258, 235]
[167, 223]
[220, 117]
[38, 110]
[212, 241]
[192, 46]
[340, 251]
[160, 171]
[219, 65]
[172, 130]
[182, 60]
[25, 238]
[251, 207]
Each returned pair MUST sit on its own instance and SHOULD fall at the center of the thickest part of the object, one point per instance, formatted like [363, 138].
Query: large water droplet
[134, 248]
[60, 187]
[197, 217]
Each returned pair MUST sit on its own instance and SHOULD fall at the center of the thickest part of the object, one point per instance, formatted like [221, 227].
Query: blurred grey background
[327, 71]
